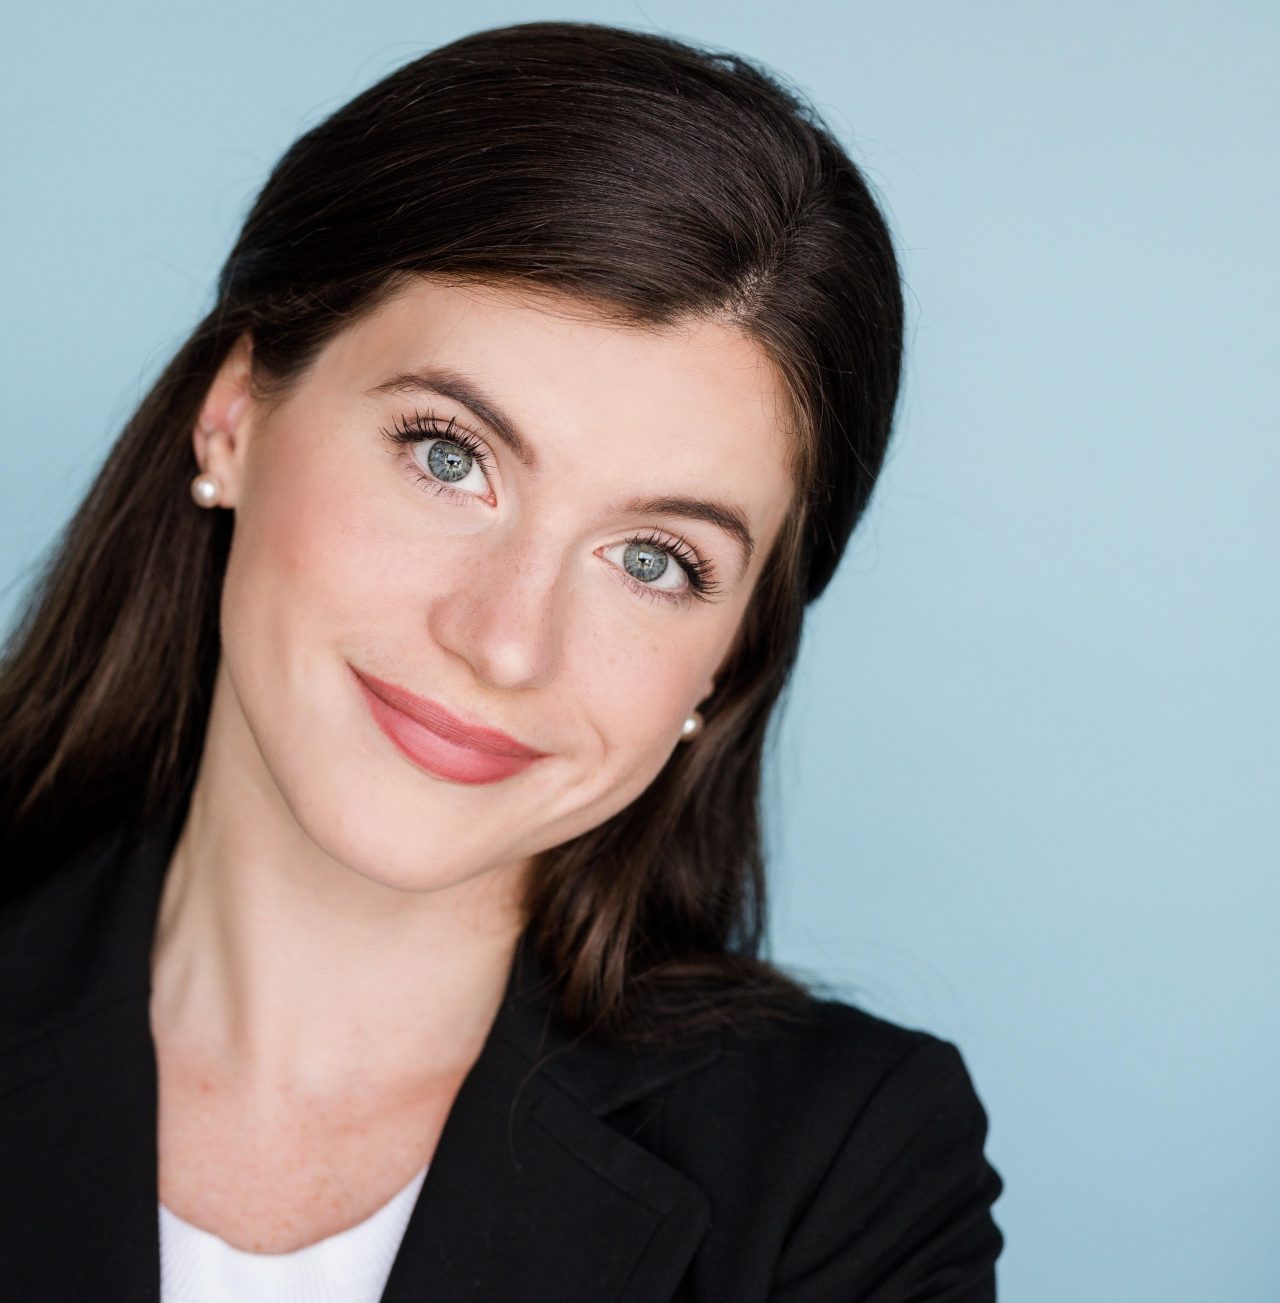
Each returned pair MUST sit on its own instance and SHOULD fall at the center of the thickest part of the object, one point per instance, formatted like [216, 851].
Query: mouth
[437, 740]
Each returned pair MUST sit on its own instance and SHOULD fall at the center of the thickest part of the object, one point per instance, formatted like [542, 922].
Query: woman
[383, 892]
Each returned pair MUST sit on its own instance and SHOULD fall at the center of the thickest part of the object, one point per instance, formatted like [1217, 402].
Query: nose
[502, 613]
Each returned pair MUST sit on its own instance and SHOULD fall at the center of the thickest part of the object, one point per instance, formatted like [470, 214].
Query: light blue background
[1027, 794]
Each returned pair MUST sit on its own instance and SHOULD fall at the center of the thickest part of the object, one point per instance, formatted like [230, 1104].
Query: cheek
[632, 692]
[307, 566]
[636, 683]
[305, 538]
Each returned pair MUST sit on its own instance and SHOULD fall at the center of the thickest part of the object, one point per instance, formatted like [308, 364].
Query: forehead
[579, 351]
[695, 405]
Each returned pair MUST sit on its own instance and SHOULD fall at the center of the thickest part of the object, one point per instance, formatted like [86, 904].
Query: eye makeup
[408, 432]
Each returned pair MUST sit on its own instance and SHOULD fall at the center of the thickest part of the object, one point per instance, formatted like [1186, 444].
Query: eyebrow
[720, 514]
[453, 384]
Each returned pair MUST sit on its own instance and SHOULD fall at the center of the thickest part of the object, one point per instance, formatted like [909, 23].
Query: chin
[406, 852]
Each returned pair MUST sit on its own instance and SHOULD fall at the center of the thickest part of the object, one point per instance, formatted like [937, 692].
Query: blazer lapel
[531, 1192]
[530, 1196]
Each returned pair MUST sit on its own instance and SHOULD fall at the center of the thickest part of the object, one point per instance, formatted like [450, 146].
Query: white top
[352, 1266]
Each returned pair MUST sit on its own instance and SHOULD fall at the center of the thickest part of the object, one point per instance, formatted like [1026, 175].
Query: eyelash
[420, 429]
[702, 584]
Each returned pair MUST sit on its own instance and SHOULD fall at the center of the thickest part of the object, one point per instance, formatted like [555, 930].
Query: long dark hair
[654, 179]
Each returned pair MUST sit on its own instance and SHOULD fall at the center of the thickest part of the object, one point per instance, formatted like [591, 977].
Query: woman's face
[505, 506]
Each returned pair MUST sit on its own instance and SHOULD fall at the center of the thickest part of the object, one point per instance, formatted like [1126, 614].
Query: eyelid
[423, 427]
[665, 596]
[426, 428]
[701, 583]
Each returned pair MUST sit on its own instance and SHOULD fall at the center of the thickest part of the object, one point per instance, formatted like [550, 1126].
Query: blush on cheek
[305, 525]
[301, 537]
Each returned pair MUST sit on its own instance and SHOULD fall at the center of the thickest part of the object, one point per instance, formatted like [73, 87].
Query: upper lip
[432, 715]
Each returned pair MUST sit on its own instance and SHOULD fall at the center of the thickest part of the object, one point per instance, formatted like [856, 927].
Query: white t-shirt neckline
[351, 1266]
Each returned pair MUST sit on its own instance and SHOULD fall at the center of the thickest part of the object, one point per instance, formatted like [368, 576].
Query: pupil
[448, 462]
[644, 562]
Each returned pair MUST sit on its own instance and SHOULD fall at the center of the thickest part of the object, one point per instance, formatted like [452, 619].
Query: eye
[453, 463]
[445, 458]
[663, 570]
[450, 461]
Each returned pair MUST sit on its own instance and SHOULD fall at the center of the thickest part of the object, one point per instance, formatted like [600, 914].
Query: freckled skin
[327, 882]
[506, 612]
[270, 1176]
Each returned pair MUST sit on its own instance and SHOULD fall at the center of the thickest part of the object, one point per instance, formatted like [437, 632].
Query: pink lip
[438, 740]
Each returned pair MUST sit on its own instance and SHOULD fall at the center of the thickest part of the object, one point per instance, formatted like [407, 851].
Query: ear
[221, 434]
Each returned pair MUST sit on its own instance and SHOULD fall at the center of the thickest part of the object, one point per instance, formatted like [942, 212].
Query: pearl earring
[205, 489]
[691, 727]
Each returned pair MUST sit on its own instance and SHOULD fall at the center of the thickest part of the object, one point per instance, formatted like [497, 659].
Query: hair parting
[651, 179]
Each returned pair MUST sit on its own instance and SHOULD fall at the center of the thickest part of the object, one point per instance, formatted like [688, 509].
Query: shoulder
[64, 922]
[864, 1141]
[838, 1066]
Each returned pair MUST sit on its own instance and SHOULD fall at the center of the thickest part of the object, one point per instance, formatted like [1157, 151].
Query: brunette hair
[649, 177]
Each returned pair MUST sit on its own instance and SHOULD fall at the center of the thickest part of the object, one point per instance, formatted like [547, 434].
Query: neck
[286, 970]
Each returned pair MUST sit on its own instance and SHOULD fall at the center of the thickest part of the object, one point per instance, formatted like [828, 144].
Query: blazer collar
[531, 1193]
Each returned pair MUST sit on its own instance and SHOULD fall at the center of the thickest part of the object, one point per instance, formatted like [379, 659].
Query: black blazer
[836, 1162]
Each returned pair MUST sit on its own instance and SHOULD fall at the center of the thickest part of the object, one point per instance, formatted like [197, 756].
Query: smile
[439, 741]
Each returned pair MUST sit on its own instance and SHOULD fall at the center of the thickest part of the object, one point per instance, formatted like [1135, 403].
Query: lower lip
[437, 755]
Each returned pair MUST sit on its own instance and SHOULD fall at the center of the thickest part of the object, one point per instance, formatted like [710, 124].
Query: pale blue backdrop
[1027, 789]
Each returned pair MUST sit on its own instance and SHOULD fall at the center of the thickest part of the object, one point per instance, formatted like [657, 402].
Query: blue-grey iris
[448, 461]
[643, 561]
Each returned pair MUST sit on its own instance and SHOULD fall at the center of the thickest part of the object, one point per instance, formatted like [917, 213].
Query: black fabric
[837, 1162]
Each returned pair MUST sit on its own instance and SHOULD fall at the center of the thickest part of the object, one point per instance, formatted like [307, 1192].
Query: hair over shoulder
[654, 179]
